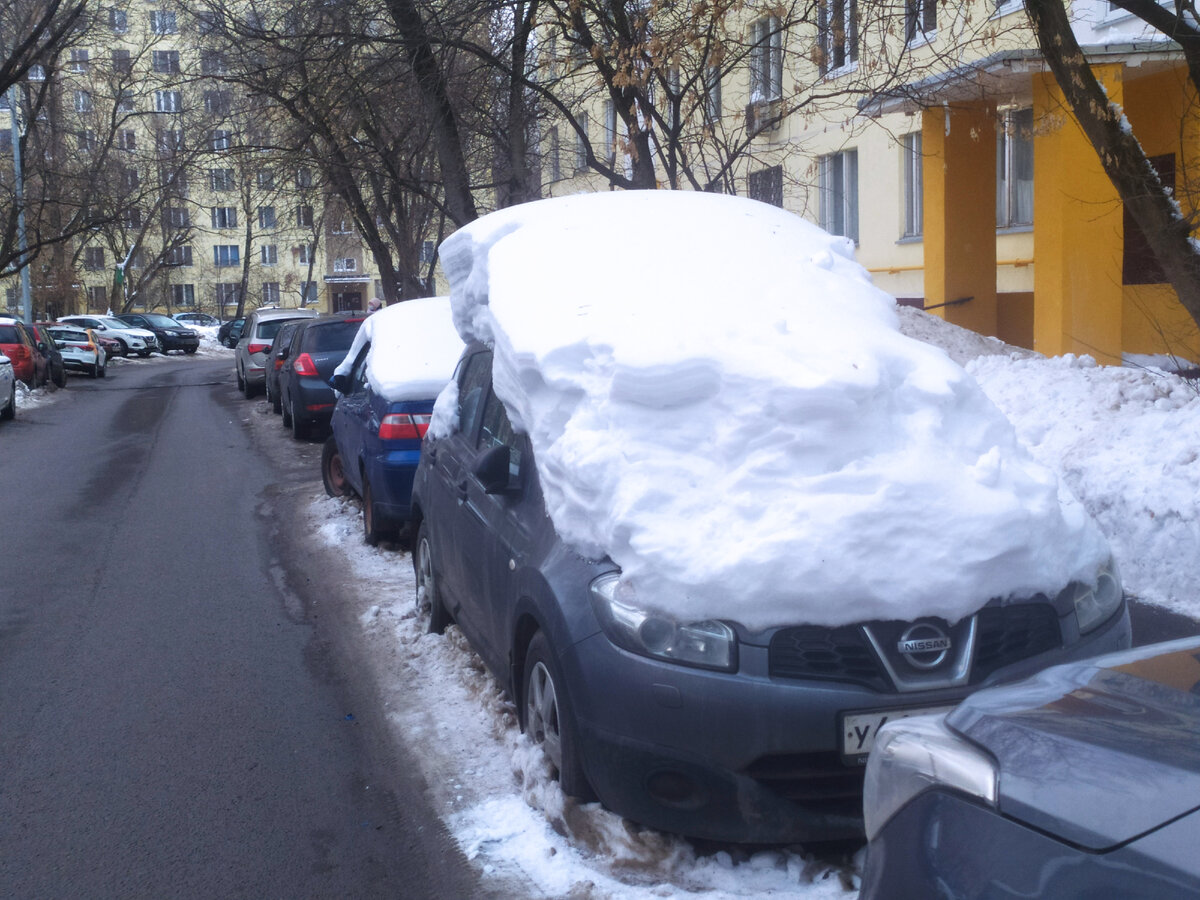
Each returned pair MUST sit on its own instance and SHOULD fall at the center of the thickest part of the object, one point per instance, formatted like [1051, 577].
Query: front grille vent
[829, 654]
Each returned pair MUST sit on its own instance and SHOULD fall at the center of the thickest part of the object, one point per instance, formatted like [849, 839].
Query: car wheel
[241, 382]
[124, 347]
[299, 426]
[103, 369]
[9, 412]
[285, 410]
[375, 527]
[548, 718]
[95, 370]
[144, 354]
[247, 390]
[332, 472]
[429, 602]
[275, 400]
[189, 350]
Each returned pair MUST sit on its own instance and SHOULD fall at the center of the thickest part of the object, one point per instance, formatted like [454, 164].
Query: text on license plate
[859, 729]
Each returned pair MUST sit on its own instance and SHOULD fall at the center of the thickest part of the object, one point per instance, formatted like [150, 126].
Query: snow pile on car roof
[719, 399]
[414, 349]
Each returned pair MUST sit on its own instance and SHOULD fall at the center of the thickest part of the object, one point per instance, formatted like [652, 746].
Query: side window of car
[358, 375]
[471, 383]
[497, 431]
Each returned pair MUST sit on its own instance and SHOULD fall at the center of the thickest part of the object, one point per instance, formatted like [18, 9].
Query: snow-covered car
[1083, 781]
[713, 520]
[80, 351]
[400, 360]
[8, 388]
[133, 339]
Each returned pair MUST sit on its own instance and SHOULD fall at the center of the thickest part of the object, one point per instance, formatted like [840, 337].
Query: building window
[226, 294]
[837, 28]
[217, 103]
[304, 216]
[427, 248]
[767, 185]
[226, 255]
[1014, 169]
[914, 184]
[129, 178]
[127, 139]
[920, 20]
[221, 179]
[79, 61]
[209, 22]
[118, 22]
[125, 102]
[345, 264]
[712, 94]
[37, 73]
[168, 101]
[766, 60]
[176, 217]
[122, 63]
[270, 293]
[1139, 265]
[6, 144]
[83, 102]
[839, 193]
[266, 180]
[224, 217]
[270, 255]
[304, 254]
[342, 226]
[308, 292]
[183, 295]
[179, 256]
[220, 139]
[212, 62]
[97, 298]
[93, 259]
[175, 181]
[304, 178]
[132, 217]
[165, 62]
[170, 141]
[163, 22]
[555, 164]
[610, 131]
[581, 143]
[85, 140]
[266, 217]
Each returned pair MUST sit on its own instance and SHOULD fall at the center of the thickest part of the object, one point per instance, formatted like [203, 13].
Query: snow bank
[414, 349]
[737, 422]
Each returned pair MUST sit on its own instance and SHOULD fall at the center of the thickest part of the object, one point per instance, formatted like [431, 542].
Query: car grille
[1004, 635]
[820, 782]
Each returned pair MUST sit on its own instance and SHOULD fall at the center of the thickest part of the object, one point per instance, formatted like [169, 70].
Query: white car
[133, 339]
[8, 388]
[79, 351]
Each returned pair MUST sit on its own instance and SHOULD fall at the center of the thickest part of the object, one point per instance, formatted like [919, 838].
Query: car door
[351, 421]
[493, 526]
[448, 458]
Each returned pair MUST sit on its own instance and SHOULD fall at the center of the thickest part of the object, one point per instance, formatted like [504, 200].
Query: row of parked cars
[1084, 781]
[44, 352]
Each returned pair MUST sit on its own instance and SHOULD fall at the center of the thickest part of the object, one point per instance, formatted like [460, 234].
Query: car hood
[1098, 752]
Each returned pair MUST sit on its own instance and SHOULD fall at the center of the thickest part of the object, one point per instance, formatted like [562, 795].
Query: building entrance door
[347, 301]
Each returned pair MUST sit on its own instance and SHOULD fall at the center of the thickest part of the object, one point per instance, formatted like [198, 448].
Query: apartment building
[934, 136]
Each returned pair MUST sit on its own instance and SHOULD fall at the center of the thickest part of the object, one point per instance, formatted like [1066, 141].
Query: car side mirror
[492, 469]
[340, 383]
[42, 348]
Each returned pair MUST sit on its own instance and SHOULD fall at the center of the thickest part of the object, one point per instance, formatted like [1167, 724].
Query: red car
[19, 345]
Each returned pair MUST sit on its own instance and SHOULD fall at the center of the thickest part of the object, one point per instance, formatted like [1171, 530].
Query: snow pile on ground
[414, 349]
[756, 442]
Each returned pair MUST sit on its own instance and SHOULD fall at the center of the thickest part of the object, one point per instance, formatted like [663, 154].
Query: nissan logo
[925, 646]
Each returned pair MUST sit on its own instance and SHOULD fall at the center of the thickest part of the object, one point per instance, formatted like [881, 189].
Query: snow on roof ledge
[719, 399]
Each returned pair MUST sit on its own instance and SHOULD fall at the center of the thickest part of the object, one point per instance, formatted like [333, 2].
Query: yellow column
[1078, 235]
[959, 172]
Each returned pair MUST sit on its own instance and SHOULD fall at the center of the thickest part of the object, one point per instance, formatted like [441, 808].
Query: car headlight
[917, 754]
[1096, 602]
[709, 644]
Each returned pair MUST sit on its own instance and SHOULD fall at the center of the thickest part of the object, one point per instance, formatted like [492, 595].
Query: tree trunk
[1122, 157]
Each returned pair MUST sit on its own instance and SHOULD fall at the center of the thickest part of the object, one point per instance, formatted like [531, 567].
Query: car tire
[275, 400]
[285, 410]
[333, 474]
[10, 412]
[124, 348]
[241, 382]
[375, 527]
[95, 370]
[549, 720]
[247, 390]
[429, 601]
[103, 370]
[299, 426]
[190, 350]
[59, 378]
[145, 354]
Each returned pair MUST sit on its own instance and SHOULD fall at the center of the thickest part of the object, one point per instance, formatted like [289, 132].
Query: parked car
[250, 355]
[79, 349]
[133, 339]
[402, 356]
[18, 343]
[318, 347]
[711, 532]
[228, 334]
[203, 320]
[276, 355]
[171, 335]
[8, 389]
[1082, 781]
[49, 349]
[111, 346]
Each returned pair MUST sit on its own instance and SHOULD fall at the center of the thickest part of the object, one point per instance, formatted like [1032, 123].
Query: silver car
[250, 356]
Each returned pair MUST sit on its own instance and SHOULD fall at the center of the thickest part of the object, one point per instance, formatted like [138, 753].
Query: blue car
[400, 360]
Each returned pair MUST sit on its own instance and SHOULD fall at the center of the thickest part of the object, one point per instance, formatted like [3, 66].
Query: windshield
[160, 321]
[113, 322]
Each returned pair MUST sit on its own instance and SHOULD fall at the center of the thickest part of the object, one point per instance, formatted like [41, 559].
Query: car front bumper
[742, 756]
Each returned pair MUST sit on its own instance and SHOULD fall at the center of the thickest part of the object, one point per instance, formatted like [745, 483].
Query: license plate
[859, 729]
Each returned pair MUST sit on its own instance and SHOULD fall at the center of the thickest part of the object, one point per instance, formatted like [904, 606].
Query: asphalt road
[174, 719]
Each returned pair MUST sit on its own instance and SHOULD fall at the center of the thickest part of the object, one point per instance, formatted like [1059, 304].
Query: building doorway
[347, 301]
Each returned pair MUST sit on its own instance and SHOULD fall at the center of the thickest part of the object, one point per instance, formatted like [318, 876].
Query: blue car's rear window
[331, 335]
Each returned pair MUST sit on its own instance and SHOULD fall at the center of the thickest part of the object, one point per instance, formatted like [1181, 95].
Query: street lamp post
[19, 180]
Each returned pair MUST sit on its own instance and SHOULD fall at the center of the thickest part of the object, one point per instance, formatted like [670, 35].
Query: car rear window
[268, 330]
[331, 335]
[64, 334]
[8, 335]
